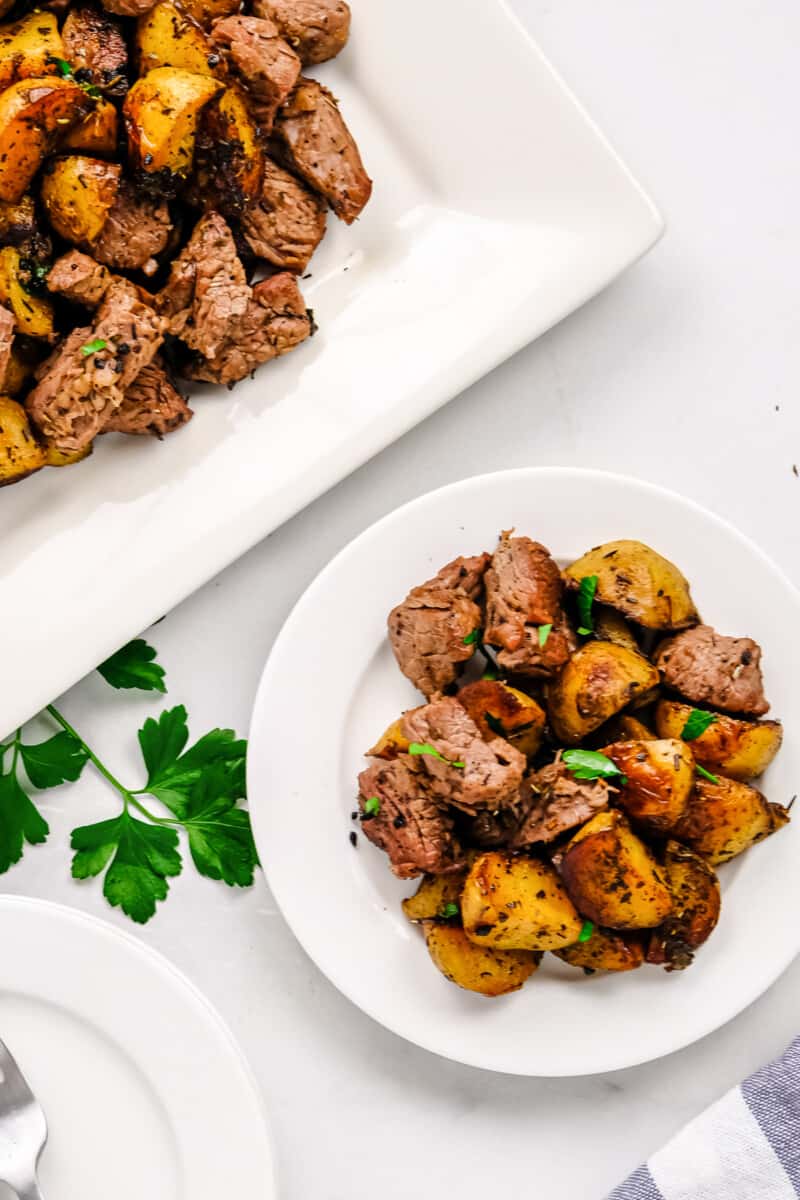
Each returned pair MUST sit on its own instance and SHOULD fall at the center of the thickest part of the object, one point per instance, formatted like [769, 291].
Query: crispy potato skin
[724, 819]
[33, 314]
[65, 458]
[739, 748]
[660, 777]
[162, 111]
[20, 453]
[77, 193]
[696, 902]
[391, 742]
[167, 36]
[229, 160]
[478, 968]
[639, 583]
[606, 950]
[434, 892]
[98, 133]
[517, 904]
[28, 47]
[33, 114]
[502, 711]
[612, 877]
[598, 681]
[628, 728]
[611, 626]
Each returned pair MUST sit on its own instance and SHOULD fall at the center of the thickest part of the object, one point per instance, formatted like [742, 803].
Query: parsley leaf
[427, 748]
[586, 932]
[372, 806]
[93, 347]
[471, 638]
[220, 838]
[448, 911]
[134, 667]
[58, 760]
[586, 594]
[697, 723]
[544, 634]
[590, 764]
[171, 774]
[142, 857]
[20, 821]
[64, 68]
[705, 774]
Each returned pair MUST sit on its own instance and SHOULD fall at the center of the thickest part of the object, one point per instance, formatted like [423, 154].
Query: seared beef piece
[135, 231]
[265, 63]
[95, 49]
[77, 393]
[491, 771]
[321, 148]
[410, 826]
[207, 293]
[317, 29]
[558, 802]
[78, 278]
[709, 668]
[7, 324]
[275, 321]
[428, 629]
[523, 591]
[287, 223]
[150, 405]
[128, 8]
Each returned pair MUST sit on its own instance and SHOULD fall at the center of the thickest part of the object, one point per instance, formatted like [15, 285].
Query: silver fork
[23, 1130]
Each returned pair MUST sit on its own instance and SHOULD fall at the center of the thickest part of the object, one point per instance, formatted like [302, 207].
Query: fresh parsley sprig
[425, 748]
[134, 666]
[697, 723]
[590, 764]
[586, 593]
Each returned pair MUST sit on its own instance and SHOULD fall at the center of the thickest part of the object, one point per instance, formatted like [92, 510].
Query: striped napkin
[745, 1147]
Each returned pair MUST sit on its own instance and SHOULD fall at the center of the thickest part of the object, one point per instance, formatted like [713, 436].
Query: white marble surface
[685, 373]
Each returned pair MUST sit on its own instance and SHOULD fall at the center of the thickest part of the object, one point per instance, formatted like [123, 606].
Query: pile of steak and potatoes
[581, 766]
[166, 170]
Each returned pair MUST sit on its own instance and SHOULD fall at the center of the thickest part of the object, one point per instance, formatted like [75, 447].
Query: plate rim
[261, 703]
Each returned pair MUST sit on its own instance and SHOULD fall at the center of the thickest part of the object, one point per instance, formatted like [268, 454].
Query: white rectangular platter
[498, 209]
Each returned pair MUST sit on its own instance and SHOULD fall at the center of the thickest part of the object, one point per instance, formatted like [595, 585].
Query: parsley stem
[15, 756]
[101, 767]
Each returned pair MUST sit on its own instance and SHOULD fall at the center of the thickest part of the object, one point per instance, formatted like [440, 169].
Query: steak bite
[409, 825]
[523, 593]
[287, 223]
[151, 405]
[708, 668]
[466, 771]
[207, 290]
[317, 29]
[266, 64]
[558, 802]
[428, 630]
[95, 49]
[135, 231]
[7, 324]
[78, 278]
[321, 148]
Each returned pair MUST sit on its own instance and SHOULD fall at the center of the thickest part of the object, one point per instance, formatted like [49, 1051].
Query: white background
[685, 373]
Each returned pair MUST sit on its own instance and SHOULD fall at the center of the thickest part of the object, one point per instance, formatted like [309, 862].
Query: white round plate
[144, 1088]
[331, 686]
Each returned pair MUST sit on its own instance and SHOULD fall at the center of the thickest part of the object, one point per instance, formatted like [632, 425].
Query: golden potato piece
[29, 47]
[391, 742]
[598, 681]
[517, 904]
[436, 896]
[161, 112]
[98, 133]
[20, 453]
[18, 370]
[33, 314]
[696, 903]
[738, 748]
[628, 728]
[725, 818]
[33, 114]
[65, 458]
[78, 193]
[611, 626]
[502, 711]
[660, 777]
[478, 968]
[611, 876]
[605, 950]
[167, 36]
[639, 583]
[229, 161]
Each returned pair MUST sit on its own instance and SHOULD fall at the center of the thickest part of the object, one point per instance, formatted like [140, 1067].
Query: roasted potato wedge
[696, 904]
[33, 114]
[611, 876]
[659, 780]
[598, 681]
[229, 161]
[28, 47]
[478, 968]
[639, 583]
[33, 314]
[629, 728]
[725, 818]
[78, 193]
[391, 742]
[162, 111]
[20, 453]
[96, 134]
[738, 748]
[435, 893]
[605, 950]
[18, 371]
[65, 458]
[517, 904]
[611, 626]
[502, 711]
[167, 36]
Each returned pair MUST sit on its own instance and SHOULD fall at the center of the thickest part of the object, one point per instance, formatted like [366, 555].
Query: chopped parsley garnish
[427, 748]
[586, 932]
[697, 723]
[472, 638]
[590, 764]
[586, 594]
[544, 634]
[63, 67]
[67, 71]
[706, 774]
[93, 347]
[372, 806]
[448, 911]
[491, 675]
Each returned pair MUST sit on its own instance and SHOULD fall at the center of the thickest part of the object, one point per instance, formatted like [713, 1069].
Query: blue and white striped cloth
[745, 1147]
